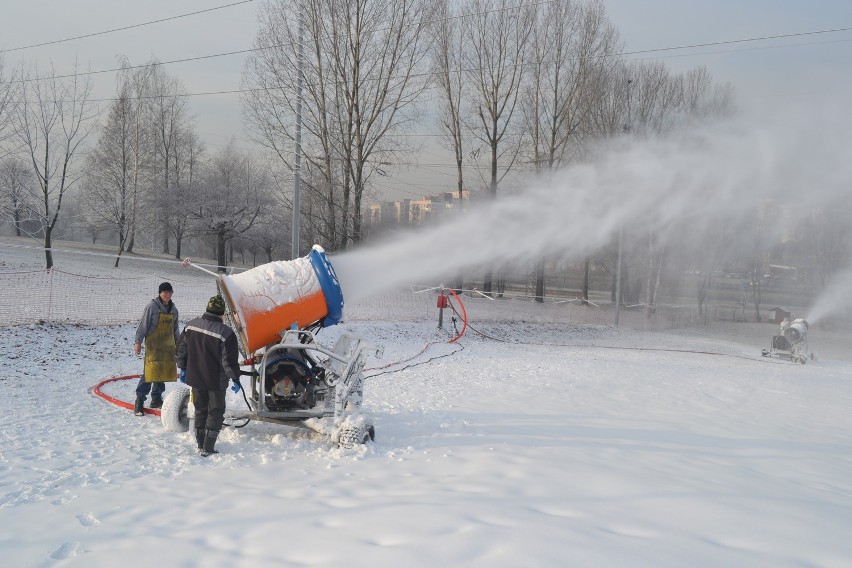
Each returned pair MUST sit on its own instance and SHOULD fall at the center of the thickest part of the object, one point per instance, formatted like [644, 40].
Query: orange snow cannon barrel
[272, 298]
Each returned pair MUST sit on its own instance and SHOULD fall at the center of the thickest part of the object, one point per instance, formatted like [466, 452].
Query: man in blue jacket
[208, 356]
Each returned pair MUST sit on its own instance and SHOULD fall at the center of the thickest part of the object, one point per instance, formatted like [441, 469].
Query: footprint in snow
[67, 550]
[88, 520]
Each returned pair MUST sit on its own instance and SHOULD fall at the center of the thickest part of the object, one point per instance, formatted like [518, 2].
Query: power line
[242, 51]
[742, 40]
[129, 67]
[124, 28]
[619, 54]
[249, 90]
[741, 50]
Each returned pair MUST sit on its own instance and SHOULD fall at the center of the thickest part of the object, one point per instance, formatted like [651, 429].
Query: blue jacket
[207, 349]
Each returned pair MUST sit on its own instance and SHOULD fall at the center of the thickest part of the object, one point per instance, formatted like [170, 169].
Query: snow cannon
[791, 342]
[272, 298]
[275, 310]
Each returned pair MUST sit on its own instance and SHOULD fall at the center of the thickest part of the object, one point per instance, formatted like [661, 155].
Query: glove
[182, 376]
[236, 386]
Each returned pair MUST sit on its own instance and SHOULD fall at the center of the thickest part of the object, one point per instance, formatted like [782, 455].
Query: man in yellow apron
[159, 330]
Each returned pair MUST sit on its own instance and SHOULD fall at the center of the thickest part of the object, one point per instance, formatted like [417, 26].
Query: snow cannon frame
[791, 342]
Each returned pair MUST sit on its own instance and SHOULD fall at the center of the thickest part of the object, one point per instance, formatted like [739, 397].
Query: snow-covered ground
[562, 444]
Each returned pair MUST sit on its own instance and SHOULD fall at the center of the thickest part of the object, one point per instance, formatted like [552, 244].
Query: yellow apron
[160, 365]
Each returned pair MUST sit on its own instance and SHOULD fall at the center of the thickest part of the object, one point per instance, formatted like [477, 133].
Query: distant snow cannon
[272, 298]
[791, 342]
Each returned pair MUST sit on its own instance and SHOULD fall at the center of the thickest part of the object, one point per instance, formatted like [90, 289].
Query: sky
[794, 70]
[538, 439]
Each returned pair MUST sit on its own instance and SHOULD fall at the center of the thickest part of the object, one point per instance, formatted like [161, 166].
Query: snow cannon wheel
[175, 414]
[352, 435]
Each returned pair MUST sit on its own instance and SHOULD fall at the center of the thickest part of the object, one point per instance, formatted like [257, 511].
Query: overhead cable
[123, 28]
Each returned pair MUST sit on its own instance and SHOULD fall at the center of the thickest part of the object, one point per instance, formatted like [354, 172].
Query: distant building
[413, 212]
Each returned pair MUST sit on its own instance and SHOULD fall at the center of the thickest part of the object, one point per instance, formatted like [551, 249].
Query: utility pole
[618, 280]
[297, 165]
[627, 128]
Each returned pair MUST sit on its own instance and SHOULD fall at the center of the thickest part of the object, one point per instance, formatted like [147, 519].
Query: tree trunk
[48, 253]
[539, 281]
[586, 269]
[166, 232]
[178, 244]
[222, 262]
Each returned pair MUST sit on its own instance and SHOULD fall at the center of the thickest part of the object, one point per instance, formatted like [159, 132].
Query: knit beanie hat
[216, 305]
[165, 287]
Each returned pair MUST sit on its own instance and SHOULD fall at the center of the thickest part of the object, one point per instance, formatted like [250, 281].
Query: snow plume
[835, 300]
[693, 185]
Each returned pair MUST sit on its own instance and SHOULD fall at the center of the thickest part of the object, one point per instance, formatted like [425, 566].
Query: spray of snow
[834, 300]
[688, 185]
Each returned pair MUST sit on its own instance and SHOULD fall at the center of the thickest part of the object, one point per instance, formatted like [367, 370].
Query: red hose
[429, 344]
[425, 347]
[464, 316]
[97, 391]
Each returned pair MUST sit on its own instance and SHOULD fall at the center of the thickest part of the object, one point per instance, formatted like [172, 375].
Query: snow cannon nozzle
[795, 331]
[266, 301]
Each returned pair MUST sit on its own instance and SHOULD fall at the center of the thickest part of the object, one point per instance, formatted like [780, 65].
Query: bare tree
[568, 49]
[270, 233]
[498, 37]
[137, 80]
[54, 117]
[827, 237]
[448, 45]
[169, 115]
[17, 193]
[110, 169]
[663, 101]
[703, 98]
[379, 50]
[270, 104]
[361, 67]
[188, 154]
[232, 194]
[7, 94]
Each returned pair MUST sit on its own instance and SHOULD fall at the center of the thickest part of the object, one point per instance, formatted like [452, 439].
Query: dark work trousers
[209, 408]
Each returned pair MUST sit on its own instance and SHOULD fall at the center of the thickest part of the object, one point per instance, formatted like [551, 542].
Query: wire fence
[60, 296]
[85, 288]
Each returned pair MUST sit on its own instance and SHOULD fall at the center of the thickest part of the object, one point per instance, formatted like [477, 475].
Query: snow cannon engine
[791, 342]
[290, 383]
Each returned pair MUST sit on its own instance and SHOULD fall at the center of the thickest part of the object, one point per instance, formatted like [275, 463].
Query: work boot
[139, 407]
[200, 433]
[209, 443]
[156, 403]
